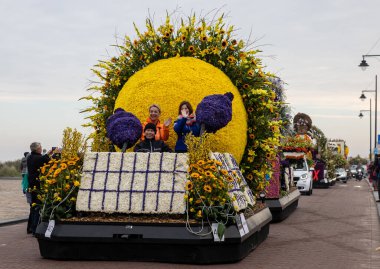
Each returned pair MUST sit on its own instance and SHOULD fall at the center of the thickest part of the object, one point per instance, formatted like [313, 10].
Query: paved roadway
[333, 228]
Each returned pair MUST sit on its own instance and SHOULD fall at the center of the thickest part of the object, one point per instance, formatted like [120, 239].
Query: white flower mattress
[133, 183]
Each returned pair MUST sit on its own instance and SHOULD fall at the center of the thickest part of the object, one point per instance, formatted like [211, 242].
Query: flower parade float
[281, 195]
[197, 207]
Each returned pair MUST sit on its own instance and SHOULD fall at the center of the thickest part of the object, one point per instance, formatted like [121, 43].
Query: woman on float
[185, 124]
[162, 132]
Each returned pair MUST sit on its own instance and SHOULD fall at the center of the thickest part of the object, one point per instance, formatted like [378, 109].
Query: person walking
[34, 162]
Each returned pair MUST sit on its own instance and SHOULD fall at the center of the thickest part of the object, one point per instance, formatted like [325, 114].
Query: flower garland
[214, 43]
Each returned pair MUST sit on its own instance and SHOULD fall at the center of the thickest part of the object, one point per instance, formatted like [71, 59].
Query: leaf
[221, 229]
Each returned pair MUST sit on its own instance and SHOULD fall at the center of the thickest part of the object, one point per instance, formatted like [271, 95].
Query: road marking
[357, 186]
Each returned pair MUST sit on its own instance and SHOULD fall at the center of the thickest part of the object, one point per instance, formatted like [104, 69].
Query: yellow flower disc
[167, 82]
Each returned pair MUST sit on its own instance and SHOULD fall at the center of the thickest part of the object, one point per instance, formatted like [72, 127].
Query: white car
[302, 175]
[341, 175]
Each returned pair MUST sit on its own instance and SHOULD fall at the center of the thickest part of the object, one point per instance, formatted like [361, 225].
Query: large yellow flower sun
[168, 82]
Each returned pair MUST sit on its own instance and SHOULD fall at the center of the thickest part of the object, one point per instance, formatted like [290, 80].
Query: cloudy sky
[48, 48]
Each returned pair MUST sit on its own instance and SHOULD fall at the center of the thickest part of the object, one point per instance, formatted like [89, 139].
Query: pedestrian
[186, 123]
[34, 162]
[162, 132]
[149, 144]
[24, 173]
[377, 171]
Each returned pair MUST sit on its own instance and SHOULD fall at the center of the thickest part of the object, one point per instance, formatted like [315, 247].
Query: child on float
[149, 144]
[162, 132]
[186, 123]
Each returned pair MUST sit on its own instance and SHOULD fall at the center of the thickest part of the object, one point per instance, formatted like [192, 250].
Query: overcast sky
[48, 47]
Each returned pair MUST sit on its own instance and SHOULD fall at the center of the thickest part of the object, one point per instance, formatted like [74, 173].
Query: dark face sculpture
[302, 129]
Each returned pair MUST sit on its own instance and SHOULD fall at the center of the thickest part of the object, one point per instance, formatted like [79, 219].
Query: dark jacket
[182, 129]
[151, 145]
[35, 161]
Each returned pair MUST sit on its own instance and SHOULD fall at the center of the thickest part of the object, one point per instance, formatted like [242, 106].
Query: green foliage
[358, 160]
[10, 168]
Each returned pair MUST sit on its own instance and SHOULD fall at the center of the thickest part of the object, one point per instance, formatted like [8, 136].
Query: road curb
[13, 221]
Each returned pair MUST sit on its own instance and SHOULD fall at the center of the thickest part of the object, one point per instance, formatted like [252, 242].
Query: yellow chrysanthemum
[189, 185]
[167, 82]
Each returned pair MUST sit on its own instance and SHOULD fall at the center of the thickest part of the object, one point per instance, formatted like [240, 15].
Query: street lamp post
[363, 97]
[363, 65]
[370, 127]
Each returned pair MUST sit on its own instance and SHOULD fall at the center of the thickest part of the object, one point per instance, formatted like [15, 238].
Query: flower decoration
[208, 185]
[215, 111]
[123, 129]
[59, 182]
[212, 42]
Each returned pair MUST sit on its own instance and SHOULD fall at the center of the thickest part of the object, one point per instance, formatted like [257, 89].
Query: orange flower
[250, 109]
[252, 136]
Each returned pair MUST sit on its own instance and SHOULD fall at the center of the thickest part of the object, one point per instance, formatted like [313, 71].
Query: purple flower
[215, 111]
[123, 129]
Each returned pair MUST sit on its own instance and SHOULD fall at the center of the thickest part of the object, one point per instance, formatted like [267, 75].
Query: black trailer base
[151, 242]
[321, 184]
[282, 207]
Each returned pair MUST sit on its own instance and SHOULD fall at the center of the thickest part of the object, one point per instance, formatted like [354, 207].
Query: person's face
[149, 134]
[39, 149]
[154, 113]
[184, 110]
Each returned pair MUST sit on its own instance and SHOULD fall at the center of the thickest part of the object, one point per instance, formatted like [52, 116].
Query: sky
[48, 48]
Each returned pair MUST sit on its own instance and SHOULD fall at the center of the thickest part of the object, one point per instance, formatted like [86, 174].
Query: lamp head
[362, 97]
[360, 115]
[363, 65]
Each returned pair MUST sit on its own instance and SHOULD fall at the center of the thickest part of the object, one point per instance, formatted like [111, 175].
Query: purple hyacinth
[123, 128]
[215, 111]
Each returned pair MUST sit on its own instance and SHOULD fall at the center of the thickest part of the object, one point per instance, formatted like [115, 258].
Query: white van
[302, 174]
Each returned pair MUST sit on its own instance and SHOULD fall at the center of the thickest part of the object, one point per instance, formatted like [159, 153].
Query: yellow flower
[56, 173]
[213, 168]
[230, 179]
[207, 188]
[63, 166]
[157, 48]
[231, 59]
[208, 173]
[249, 176]
[67, 187]
[191, 200]
[190, 49]
[195, 175]
[76, 183]
[224, 172]
[34, 204]
[189, 185]
[71, 162]
[201, 162]
[199, 214]
[224, 44]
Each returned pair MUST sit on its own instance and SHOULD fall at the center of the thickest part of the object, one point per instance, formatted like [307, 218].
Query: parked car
[341, 175]
[302, 175]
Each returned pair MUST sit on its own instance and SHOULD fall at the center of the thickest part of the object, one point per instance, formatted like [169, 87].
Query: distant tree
[10, 168]
[358, 160]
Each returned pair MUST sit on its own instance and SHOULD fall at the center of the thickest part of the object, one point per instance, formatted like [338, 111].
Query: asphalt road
[333, 228]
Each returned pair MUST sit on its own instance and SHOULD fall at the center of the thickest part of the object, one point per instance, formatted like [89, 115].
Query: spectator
[149, 144]
[185, 124]
[24, 173]
[34, 162]
[162, 132]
